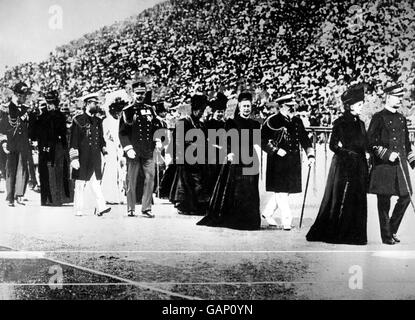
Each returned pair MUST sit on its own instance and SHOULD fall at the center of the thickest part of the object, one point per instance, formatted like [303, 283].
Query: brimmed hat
[21, 88]
[90, 97]
[52, 97]
[160, 107]
[245, 96]
[395, 90]
[139, 86]
[198, 102]
[286, 99]
[219, 103]
[354, 94]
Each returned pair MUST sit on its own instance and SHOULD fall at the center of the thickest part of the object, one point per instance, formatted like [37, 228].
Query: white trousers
[279, 200]
[80, 193]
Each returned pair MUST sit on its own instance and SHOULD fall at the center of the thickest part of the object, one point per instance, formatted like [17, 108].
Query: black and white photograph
[214, 150]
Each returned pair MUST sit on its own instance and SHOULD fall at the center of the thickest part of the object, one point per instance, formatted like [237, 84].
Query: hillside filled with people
[311, 48]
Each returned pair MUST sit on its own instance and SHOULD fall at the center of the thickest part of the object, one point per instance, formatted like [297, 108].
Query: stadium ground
[48, 253]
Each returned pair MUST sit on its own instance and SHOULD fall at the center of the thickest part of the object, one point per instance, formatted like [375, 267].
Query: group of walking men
[82, 147]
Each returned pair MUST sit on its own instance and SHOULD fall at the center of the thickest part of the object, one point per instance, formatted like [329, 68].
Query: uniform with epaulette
[87, 145]
[138, 125]
[17, 147]
[282, 137]
[389, 142]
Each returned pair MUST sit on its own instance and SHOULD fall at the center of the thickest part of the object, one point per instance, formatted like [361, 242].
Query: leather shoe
[131, 214]
[11, 204]
[147, 214]
[19, 200]
[394, 237]
[389, 241]
[103, 212]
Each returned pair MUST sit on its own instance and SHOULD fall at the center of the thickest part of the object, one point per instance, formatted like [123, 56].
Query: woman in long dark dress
[342, 217]
[235, 200]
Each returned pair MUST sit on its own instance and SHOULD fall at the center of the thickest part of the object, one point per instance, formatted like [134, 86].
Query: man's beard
[93, 110]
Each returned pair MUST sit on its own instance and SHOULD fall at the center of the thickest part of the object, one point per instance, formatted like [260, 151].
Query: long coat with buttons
[388, 132]
[284, 173]
[16, 127]
[137, 127]
[88, 138]
[50, 133]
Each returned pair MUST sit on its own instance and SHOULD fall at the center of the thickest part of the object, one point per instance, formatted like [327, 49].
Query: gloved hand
[159, 145]
[75, 164]
[231, 157]
[131, 154]
[311, 161]
[281, 152]
[6, 151]
[393, 156]
[168, 159]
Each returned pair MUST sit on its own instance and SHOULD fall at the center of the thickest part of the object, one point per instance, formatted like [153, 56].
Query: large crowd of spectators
[311, 48]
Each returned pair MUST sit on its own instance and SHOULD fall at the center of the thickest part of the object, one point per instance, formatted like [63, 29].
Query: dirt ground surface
[49, 253]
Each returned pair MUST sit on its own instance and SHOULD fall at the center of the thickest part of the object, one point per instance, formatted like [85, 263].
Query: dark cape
[342, 217]
[189, 185]
[214, 160]
[235, 200]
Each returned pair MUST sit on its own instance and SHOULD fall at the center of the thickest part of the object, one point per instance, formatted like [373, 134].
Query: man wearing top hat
[87, 144]
[138, 124]
[389, 141]
[283, 135]
[17, 147]
[50, 133]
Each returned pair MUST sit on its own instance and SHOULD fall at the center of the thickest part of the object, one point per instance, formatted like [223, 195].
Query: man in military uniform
[50, 133]
[389, 141]
[282, 135]
[86, 147]
[17, 146]
[138, 124]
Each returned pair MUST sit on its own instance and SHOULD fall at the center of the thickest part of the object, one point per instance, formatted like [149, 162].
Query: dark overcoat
[50, 133]
[388, 132]
[284, 173]
[87, 138]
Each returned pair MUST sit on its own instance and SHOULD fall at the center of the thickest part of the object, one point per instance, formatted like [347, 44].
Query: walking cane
[406, 182]
[100, 183]
[305, 196]
[158, 173]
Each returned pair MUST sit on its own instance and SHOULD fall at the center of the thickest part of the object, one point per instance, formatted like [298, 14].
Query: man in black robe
[389, 141]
